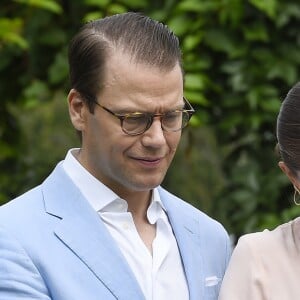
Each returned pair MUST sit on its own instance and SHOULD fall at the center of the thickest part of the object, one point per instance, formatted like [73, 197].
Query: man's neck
[138, 203]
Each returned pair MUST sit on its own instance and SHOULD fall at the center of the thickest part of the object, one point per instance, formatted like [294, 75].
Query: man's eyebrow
[179, 106]
[122, 111]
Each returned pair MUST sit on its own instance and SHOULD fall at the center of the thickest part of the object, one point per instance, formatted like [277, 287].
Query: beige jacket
[265, 266]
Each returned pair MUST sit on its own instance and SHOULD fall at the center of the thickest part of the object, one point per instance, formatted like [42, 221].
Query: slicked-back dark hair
[142, 38]
[288, 129]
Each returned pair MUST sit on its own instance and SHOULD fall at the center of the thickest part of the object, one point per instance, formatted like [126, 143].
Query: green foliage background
[240, 57]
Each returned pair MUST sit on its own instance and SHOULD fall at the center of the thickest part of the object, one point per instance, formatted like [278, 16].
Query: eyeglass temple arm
[190, 109]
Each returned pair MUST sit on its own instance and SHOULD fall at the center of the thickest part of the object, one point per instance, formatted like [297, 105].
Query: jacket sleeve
[19, 277]
[244, 276]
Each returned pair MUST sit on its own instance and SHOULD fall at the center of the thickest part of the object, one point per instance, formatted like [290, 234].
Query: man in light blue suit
[100, 226]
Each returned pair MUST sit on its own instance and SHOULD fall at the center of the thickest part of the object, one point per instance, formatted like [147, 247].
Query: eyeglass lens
[139, 122]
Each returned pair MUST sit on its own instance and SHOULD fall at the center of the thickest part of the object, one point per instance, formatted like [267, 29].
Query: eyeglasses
[137, 123]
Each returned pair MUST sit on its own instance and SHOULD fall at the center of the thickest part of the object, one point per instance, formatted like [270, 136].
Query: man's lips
[151, 161]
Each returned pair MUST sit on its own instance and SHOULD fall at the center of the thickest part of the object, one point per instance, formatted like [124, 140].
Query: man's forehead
[118, 58]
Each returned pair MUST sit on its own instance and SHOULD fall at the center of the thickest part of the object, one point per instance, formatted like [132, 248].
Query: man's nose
[154, 136]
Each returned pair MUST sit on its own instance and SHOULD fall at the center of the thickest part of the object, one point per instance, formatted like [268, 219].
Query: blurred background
[240, 57]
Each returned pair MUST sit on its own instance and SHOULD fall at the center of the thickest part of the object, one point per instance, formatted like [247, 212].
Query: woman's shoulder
[285, 236]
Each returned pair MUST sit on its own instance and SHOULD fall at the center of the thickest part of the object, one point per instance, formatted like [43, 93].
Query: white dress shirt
[160, 275]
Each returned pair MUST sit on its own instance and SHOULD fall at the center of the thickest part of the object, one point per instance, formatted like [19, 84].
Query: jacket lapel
[186, 231]
[82, 230]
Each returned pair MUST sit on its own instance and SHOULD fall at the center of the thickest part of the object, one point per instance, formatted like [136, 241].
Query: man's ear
[77, 110]
[286, 170]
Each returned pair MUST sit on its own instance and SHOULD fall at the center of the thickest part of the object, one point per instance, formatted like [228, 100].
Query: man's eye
[136, 118]
[173, 115]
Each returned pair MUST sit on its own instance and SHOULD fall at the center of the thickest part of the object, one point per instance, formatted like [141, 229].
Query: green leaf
[257, 32]
[260, 95]
[58, 72]
[269, 7]
[232, 11]
[192, 62]
[196, 97]
[98, 3]
[195, 81]
[159, 15]
[195, 121]
[191, 41]
[286, 12]
[179, 24]
[6, 151]
[255, 121]
[283, 70]
[53, 37]
[49, 5]
[13, 38]
[221, 40]
[136, 4]
[197, 6]
[36, 90]
[94, 15]
[116, 9]
[233, 66]
[10, 32]
[271, 105]
[10, 25]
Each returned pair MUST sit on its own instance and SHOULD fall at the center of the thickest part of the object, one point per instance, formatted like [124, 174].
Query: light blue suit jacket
[53, 245]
